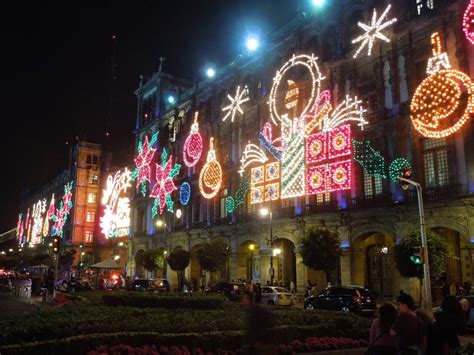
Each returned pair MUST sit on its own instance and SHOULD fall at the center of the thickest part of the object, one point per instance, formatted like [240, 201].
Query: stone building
[371, 214]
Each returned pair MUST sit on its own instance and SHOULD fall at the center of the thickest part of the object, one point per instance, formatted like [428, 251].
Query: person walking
[408, 328]
[258, 293]
[381, 341]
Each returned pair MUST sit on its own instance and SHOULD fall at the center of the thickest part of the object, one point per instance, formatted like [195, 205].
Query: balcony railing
[322, 207]
[377, 201]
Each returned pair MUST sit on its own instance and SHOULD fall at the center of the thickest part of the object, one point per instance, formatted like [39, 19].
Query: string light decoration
[192, 149]
[210, 177]
[265, 183]
[229, 204]
[373, 30]
[339, 142]
[20, 230]
[37, 221]
[241, 192]
[397, 168]
[316, 147]
[340, 176]
[292, 95]
[184, 193]
[252, 154]
[164, 186]
[146, 153]
[468, 22]
[27, 227]
[370, 159]
[444, 101]
[116, 219]
[273, 146]
[236, 103]
[319, 114]
[309, 62]
[61, 215]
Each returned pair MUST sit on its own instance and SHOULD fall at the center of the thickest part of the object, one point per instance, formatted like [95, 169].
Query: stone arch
[462, 229]
[248, 262]
[363, 230]
[284, 262]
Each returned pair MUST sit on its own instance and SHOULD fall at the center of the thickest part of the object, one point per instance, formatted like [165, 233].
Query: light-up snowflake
[373, 30]
[235, 103]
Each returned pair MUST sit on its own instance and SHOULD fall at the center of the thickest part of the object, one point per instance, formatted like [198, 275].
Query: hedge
[208, 341]
[170, 301]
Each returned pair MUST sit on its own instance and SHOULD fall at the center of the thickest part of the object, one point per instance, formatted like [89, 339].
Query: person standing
[258, 293]
[292, 287]
[381, 341]
[408, 328]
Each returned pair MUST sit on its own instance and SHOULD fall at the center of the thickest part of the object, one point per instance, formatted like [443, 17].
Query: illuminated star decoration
[164, 185]
[373, 30]
[62, 212]
[235, 103]
[146, 152]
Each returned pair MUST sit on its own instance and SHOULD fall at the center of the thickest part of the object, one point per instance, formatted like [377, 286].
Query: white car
[277, 296]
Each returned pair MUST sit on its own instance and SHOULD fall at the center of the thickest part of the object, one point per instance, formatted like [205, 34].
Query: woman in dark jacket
[381, 342]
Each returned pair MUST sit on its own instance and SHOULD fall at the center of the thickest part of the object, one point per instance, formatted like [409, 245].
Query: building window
[372, 185]
[435, 161]
[94, 179]
[90, 216]
[89, 159]
[95, 159]
[222, 207]
[88, 235]
[91, 197]
[323, 198]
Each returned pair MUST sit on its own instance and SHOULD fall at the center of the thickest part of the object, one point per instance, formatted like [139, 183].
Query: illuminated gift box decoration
[326, 147]
[267, 177]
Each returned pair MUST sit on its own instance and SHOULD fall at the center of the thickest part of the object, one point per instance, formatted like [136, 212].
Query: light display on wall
[274, 146]
[468, 22]
[37, 222]
[184, 193]
[371, 160]
[20, 236]
[397, 168]
[444, 101]
[229, 205]
[252, 154]
[265, 183]
[210, 177]
[164, 186]
[241, 192]
[116, 219]
[63, 211]
[192, 149]
[146, 153]
[373, 30]
[236, 103]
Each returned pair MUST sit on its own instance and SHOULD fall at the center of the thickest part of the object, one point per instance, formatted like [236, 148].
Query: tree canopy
[178, 259]
[152, 259]
[213, 256]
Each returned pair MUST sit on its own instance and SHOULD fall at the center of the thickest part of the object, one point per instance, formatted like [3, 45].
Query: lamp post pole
[272, 275]
[424, 243]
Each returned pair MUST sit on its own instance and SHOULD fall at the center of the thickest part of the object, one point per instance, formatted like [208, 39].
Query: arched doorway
[139, 270]
[454, 263]
[373, 265]
[248, 261]
[284, 262]
[196, 270]
[223, 275]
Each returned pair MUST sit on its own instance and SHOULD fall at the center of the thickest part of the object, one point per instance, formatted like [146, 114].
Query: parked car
[152, 285]
[277, 296]
[356, 299]
[233, 291]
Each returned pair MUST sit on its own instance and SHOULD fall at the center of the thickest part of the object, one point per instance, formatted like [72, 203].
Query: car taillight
[280, 296]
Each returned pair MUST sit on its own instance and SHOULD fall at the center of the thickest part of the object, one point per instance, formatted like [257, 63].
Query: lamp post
[264, 212]
[424, 243]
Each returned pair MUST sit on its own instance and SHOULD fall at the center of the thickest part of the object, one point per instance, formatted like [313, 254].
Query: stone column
[345, 264]
[358, 266]
[265, 266]
[233, 266]
[300, 274]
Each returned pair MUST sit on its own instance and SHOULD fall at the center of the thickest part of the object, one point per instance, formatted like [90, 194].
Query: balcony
[377, 201]
[322, 207]
[439, 193]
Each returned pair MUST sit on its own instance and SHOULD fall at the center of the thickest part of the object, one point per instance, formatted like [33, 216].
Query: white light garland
[252, 154]
[348, 110]
[236, 103]
[440, 59]
[373, 30]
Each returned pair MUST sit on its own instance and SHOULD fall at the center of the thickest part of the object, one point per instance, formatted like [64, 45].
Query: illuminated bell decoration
[184, 193]
[291, 98]
[193, 145]
[397, 168]
[444, 101]
[210, 177]
[468, 22]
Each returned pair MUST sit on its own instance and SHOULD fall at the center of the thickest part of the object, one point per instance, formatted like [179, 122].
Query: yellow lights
[264, 212]
[116, 219]
[160, 223]
[276, 251]
[373, 31]
[120, 244]
[251, 247]
[116, 257]
[210, 177]
[252, 154]
[444, 101]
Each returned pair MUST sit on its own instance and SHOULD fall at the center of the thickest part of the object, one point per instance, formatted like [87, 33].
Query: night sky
[56, 65]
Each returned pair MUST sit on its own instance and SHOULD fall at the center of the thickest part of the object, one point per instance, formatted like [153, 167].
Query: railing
[377, 201]
[322, 207]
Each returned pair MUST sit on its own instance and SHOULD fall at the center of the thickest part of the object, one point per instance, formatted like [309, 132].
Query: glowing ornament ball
[193, 145]
[468, 22]
[210, 177]
[444, 101]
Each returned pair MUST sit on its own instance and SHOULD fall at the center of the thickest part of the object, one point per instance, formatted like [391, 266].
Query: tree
[152, 259]
[213, 256]
[438, 251]
[178, 261]
[43, 259]
[320, 249]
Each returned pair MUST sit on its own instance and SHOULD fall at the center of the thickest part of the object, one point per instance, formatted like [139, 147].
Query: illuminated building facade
[315, 127]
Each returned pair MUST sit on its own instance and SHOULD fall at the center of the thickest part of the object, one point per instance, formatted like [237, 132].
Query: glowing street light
[159, 223]
[210, 72]
[276, 251]
[252, 43]
[10, 250]
[318, 3]
[120, 244]
[116, 257]
[264, 212]
[252, 247]
[171, 99]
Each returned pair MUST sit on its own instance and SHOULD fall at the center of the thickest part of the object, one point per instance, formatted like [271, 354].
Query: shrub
[173, 301]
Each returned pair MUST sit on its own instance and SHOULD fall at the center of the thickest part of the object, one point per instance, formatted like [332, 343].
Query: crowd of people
[409, 331]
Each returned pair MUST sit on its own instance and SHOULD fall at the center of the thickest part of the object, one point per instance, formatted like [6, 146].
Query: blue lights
[252, 43]
[184, 193]
[318, 3]
[345, 245]
[210, 72]
[171, 99]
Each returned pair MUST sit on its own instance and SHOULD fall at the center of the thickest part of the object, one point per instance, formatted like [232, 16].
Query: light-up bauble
[397, 168]
[444, 101]
[184, 193]
[210, 177]
[468, 22]
[303, 61]
[115, 221]
[192, 149]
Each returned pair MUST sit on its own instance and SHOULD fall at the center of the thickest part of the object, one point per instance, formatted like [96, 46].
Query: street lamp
[268, 212]
[120, 244]
[159, 223]
[10, 250]
[252, 43]
[210, 72]
[318, 3]
[116, 257]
